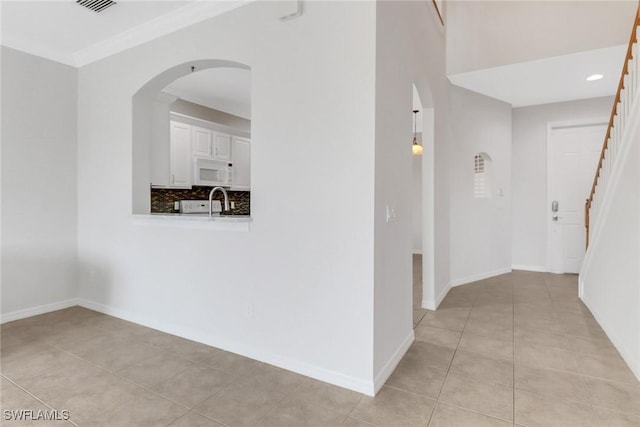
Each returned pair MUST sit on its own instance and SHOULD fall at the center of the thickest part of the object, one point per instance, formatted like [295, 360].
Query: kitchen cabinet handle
[173, 179]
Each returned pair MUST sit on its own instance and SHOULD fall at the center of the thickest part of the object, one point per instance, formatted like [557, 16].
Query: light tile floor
[519, 349]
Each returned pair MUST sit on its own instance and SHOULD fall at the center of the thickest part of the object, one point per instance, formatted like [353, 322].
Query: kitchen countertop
[205, 217]
[219, 222]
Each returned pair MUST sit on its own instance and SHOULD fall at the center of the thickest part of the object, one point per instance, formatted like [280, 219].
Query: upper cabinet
[160, 140]
[241, 149]
[201, 141]
[211, 144]
[180, 155]
[221, 146]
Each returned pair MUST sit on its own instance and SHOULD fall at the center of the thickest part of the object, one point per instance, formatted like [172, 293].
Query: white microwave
[212, 173]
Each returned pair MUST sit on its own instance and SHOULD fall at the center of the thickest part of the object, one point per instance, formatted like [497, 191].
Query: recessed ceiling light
[594, 77]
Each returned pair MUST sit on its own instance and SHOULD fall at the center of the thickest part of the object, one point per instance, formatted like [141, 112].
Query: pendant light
[416, 148]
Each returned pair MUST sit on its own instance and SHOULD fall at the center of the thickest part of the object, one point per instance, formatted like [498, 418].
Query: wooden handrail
[614, 112]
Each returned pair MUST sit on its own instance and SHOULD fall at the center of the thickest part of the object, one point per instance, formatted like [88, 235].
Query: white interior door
[573, 158]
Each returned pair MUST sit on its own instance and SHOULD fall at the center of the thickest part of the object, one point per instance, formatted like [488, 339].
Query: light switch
[390, 213]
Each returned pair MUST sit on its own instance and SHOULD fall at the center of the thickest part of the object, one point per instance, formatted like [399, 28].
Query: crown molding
[186, 16]
[190, 14]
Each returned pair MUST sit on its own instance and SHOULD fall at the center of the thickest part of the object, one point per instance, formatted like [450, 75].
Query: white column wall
[409, 50]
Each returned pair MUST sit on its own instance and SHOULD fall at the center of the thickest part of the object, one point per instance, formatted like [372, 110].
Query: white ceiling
[556, 79]
[224, 89]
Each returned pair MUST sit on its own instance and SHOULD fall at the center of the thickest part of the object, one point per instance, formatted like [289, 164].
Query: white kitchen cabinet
[201, 141]
[221, 146]
[241, 150]
[160, 140]
[180, 155]
[210, 144]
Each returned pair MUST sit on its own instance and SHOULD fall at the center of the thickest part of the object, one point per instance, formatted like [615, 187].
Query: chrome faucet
[226, 199]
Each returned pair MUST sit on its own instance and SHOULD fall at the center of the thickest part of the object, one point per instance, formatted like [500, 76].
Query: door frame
[429, 301]
[551, 126]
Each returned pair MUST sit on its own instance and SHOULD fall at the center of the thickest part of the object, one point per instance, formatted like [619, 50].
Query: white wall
[610, 276]
[485, 34]
[306, 265]
[480, 227]
[38, 184]
[529, 176]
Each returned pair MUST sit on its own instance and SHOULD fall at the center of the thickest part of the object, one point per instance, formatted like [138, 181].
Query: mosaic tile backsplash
[162, 199]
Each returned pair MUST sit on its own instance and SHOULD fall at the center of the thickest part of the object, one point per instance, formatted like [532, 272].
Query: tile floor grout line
[179, 418]
[564, 371]
[636, 415]
[564, 399]
[450, 364]
[354, 408]
[364, 421]
[437, 327]
[275, 407]
[422, 396]
[190, 408]
[475, 412]
[209, 418]
[344, 418]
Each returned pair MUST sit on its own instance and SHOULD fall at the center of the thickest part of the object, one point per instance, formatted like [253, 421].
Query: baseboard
[332, 377]
[481, 276]
[392, 363]
[537, 268]
[433, 304]
[580, 286]
[631, 359]
[35, 311]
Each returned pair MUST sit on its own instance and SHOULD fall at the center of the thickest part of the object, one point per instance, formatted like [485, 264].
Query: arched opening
[165, 159]
[423, 208]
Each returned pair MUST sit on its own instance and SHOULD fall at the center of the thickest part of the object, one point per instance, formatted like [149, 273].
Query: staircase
[609, 282]
[621, 114]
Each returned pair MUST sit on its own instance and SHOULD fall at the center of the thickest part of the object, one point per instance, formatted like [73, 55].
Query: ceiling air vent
[96, 5]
